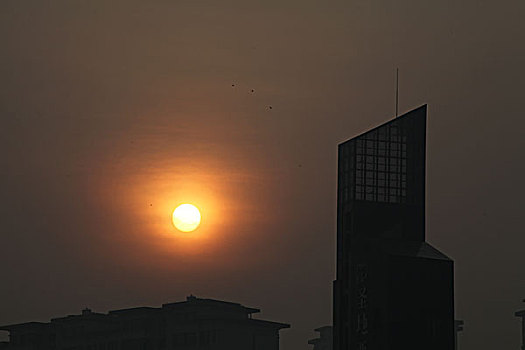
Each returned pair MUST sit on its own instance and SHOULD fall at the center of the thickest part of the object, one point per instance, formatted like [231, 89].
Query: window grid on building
[375, 167]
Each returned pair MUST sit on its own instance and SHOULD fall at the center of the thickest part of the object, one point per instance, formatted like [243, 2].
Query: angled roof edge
[21, 325]
[139, 309]
[415, 250]
[194, 299]
[269, 323]
[386, 123]
[428, 251]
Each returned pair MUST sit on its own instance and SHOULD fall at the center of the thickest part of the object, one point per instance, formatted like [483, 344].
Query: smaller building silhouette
[459, 328]
[325, 340]
[521, 314]
[195, 323]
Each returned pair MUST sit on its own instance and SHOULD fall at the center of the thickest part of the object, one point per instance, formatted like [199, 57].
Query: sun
[186, 217]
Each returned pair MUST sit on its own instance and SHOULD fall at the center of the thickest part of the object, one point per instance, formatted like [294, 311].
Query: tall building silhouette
[192, 324]
[392, 290]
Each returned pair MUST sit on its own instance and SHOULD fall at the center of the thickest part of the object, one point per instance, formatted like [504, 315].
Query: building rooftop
[203, 308]
[193, 301]
[27, 325]
[395, 120]
[414, 249]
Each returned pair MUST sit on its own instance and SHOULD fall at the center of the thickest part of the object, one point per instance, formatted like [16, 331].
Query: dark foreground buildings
[521, 314]
[196, 323]
[325, 340]
[393, 290]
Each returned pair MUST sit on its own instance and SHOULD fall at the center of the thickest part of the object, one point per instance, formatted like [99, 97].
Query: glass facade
[386, 164]
[380, 240]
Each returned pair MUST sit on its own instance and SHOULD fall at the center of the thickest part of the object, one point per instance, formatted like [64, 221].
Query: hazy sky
[114, 112]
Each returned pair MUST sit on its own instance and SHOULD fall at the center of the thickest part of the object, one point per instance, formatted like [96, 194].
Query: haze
[113, 112]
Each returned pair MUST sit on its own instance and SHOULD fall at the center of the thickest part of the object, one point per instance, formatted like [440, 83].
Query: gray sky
[114, 112]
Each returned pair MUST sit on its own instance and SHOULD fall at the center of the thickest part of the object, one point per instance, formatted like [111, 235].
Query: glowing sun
[186, 217]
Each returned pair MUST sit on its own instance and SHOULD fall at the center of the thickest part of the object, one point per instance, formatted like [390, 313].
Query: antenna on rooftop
[397, 90]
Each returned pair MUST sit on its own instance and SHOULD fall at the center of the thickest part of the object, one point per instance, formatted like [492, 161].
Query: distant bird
[270, 107]
[233, 85]
[151, 205]
[253, 90]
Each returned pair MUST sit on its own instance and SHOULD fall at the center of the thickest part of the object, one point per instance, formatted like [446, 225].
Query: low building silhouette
[325, 340]
[521, 314]
[459, 328]
[195, 323]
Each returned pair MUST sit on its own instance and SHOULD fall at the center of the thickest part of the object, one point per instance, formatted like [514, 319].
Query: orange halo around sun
[186, 217]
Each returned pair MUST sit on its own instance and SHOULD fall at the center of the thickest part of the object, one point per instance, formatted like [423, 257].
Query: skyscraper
[393, 290]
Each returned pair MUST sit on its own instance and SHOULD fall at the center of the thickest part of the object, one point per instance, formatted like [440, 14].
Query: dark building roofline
[386, 123]
[203, 301]
[24, 325]
[322, 336]
[277, 325]
[88, 315]
[414, 249]
[82, 317]
[134, 311]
